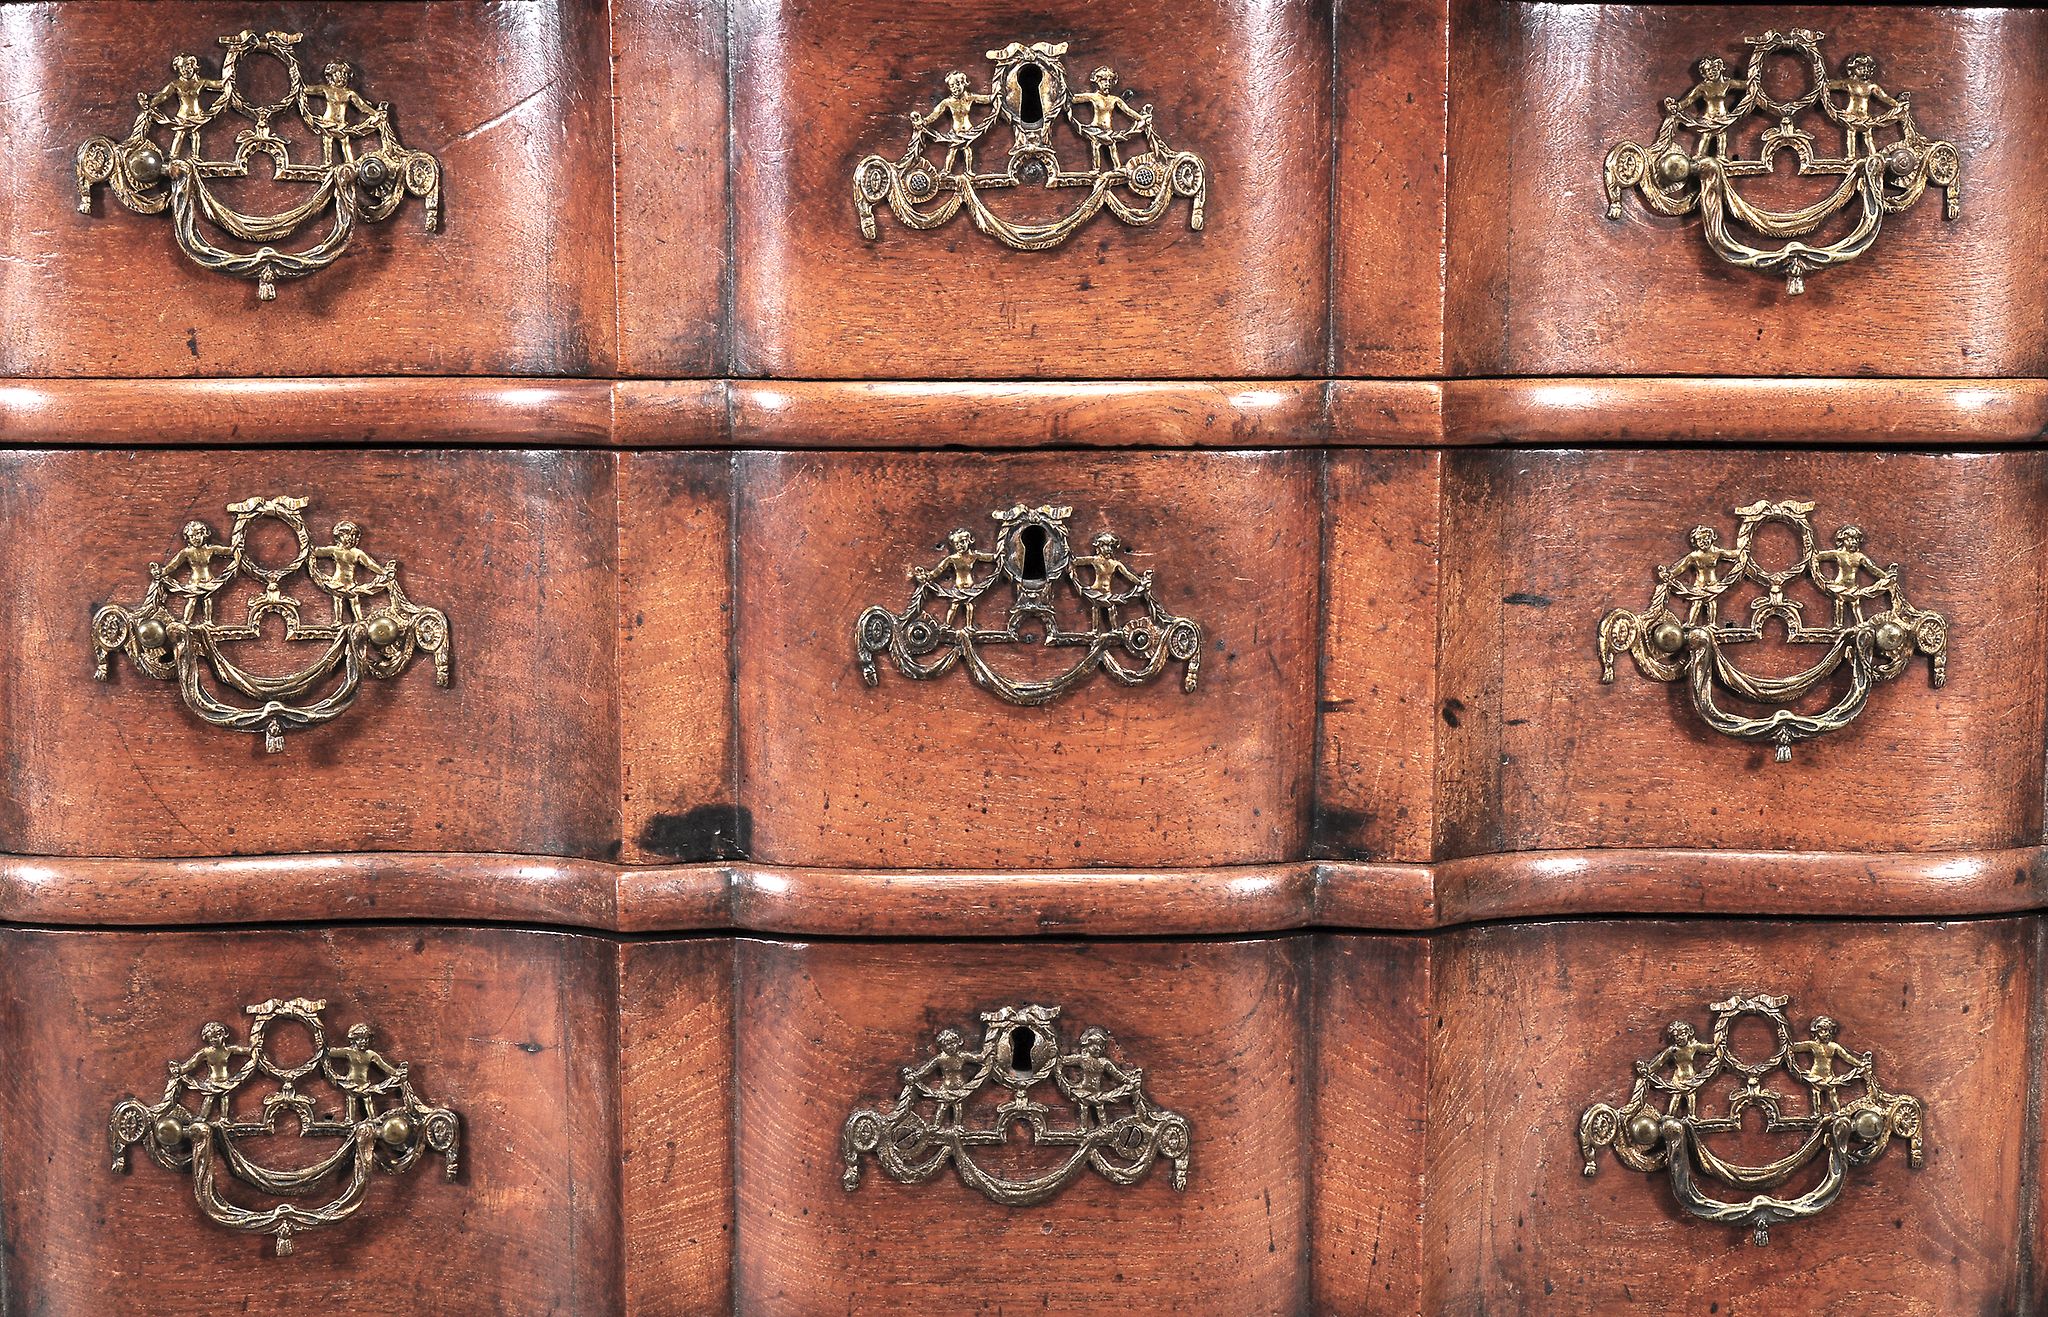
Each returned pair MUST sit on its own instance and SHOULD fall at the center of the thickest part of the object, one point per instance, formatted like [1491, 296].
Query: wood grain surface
[1245, 87]
[943, 773]
[1542, 283]
[519, 753]
[1531, 1024]
[513, 1031]
[824, 1028]
[511, 99]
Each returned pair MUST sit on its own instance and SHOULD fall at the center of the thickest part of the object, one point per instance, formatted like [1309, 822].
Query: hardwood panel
[944, 773]
[676, 1091]
[1377, 717]
[1245, 86]
[1544, 284]
[1387, 292]
[675, 659]
[1216, 1027]
[1534, 1023]
[507, 97]
[513, 1031]
[1369, 1032]
[519, 753]
[669, 110]
[1540, 755]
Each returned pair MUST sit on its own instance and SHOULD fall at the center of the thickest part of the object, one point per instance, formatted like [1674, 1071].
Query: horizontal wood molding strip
[740, 413]
[748, 898]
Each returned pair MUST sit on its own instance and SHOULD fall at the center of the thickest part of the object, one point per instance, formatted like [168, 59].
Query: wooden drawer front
[507, 1030]
[826, 1030]
[507, 99]
[1540, 754]
[819, 89]
[1546, 284]
[948, 771]
[517, 753]
[1537, 1023]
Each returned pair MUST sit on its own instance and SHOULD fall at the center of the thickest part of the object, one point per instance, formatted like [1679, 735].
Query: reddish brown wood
[1106, 414]
[1542, 283]
[678, 772]
[669, 110]
[1369, 1122]
[943, 773]
[511, 1030]
[519, 753]
[1637, 412]
[1216, 1027]
[819, 87]
[1387, 298]
[509, 100]
[444, 412]
[1539, 755]
[1090, 902]
[1376, 710]
[1534, 1023]
[676, 1156]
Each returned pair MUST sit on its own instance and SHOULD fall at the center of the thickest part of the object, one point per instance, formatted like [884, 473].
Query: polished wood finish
[1371, 1118]
[1376, 707]
[1538, 755]
[507, 98]
[519, 753]
[817, 87]
[1387, 293]
[837, 773]
[807, 902]
[679, 771]
[668, 82]
[1540, 282]
[1334, 413]
[502, 1027]
[676, 1155]
[1533, 1023]
[1216, 1026]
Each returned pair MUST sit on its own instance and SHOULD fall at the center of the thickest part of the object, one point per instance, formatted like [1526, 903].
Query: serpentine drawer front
[1035, 651]
[377, 616]
[1111, 171]
[1674, 176]
[369, 171]
[478, 1156]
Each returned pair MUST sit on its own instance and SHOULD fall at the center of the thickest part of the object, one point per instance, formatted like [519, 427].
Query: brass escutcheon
[936, 1118]
[1029, 95]
[1129, 634]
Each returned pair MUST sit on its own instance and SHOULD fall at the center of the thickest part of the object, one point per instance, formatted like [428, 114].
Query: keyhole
[1034, 553]
[1022, 1040]
[1030, 105]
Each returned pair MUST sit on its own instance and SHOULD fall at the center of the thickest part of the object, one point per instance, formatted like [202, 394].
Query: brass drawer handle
[1028, 92]
[374, 630]
[1850, 1132]
[1870, 627]
[1876, 180]
[1034, 554]
[382, 1123]
[1114, 1127]
[148, 174]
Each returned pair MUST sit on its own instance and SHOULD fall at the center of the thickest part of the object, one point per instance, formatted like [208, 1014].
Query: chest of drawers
[1404, 674]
